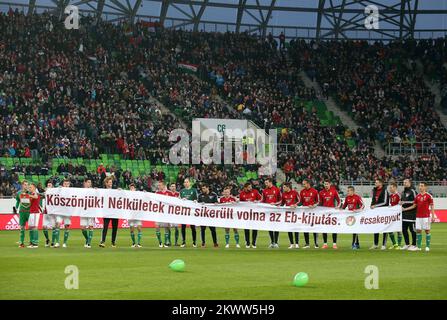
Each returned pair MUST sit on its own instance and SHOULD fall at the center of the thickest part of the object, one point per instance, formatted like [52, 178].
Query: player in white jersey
[87, 223]
[62, 220]
[135, 223]
[48, 221]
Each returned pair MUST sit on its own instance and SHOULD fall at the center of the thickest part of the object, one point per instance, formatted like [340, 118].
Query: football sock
[45, 233]
[84, 233]
[139, 235]
[419, 240]
[176, 234]
[393, 238]
[158, 236]
[132, 236]
[227, 238]
[428, 239]
[22, 234]
[66, 234]
[90, 236]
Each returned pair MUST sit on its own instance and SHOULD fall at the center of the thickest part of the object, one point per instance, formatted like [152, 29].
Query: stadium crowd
[379, 84]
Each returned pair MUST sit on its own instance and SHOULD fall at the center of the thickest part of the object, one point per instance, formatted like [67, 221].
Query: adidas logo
[13, 224]
[98, 224]
[125, 224]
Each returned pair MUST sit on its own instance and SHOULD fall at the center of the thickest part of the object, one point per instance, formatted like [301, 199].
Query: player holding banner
[354, 203]
[188, 193]
[379, 198]
[309, 197]
[167, 227]
[228, 198]
[291, 198]
[250, 195]
[272, 195]
[62, 219]
[135, 223]
[87, 223]
[394, 201]
[48, 221]
[174, 193]
[329, 198]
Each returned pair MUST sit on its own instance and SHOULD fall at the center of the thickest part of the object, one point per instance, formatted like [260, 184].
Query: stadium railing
[415, 148]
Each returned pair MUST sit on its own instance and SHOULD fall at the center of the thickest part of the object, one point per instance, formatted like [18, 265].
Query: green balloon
[177, 265]
[301, 279]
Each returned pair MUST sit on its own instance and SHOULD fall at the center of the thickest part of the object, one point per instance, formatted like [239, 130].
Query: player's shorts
[48, 221]
[135, 223]
[33, 220]
[423, 223]
[87, 222]
[63, 220]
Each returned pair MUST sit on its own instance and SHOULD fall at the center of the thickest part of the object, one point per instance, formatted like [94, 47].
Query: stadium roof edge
[317, 19]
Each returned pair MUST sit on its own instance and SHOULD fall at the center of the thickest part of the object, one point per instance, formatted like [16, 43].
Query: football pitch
[129, 273]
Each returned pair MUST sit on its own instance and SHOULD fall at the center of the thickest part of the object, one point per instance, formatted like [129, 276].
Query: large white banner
[148, 206]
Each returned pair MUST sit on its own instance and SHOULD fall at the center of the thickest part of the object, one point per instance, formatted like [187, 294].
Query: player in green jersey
[188, 193]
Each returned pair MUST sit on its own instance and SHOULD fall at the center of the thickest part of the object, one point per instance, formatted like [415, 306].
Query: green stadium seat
[351, 143]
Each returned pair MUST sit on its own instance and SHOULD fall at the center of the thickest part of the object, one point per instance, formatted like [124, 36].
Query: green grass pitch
[128, 273]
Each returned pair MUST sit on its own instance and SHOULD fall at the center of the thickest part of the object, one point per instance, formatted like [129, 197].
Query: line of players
[418, 212]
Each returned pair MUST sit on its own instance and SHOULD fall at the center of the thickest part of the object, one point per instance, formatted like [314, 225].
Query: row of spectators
[216, 176]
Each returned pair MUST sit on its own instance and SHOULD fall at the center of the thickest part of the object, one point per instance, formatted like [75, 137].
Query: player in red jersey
[291, 198]
[354, 203]
[227, 198]
[425, 213]
[176, 194]
[272, 195]
[34, 215]
[329, 198]
[310, 198]
[250, 195]
[394, 201]
[167, 227]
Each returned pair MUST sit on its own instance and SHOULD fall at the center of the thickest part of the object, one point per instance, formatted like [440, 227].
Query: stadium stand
[71, 101]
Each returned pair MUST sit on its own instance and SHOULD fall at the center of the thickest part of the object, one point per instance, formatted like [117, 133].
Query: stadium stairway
[218, 98]
[331, 104]
[345, 118]
[166, 110]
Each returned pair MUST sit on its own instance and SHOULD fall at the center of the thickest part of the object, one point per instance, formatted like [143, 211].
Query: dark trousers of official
[213, 234]
[291, 237]
[106, 222]
[306, 238]
[409, 225]
[355, 239]
[334, 238]
[377, 236]
[254, 236]
[193, 232]
[274, 236]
